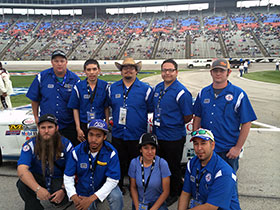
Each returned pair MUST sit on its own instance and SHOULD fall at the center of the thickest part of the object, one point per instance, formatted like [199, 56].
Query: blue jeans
[234, 163]
[115, 200]
[162, 207]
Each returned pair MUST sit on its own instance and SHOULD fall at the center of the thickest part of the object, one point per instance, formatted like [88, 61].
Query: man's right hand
[43, 194]
[76, 199]
[81, 135]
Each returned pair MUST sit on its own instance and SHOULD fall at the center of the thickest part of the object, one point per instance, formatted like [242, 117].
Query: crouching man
[96, 164]
[210, 183]
[41, 165]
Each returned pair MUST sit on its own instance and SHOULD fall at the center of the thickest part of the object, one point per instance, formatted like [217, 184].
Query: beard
[128, 77]
[48, 149]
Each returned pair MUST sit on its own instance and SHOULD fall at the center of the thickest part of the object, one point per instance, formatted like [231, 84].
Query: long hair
[48, 150]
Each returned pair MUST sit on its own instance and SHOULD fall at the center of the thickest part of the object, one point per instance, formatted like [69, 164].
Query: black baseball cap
[58, 53]
[47, 117]
[148, 138]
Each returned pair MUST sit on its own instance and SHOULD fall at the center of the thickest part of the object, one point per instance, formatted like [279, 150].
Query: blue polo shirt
[53, 96]
[175, 103]
[217, 184]
[108, 165]
[224, 114]
[80, 99]
[138, 104]
[154, 189]
[29, 158]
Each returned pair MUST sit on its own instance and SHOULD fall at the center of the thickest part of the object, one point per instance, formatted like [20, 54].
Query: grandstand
[224, 31]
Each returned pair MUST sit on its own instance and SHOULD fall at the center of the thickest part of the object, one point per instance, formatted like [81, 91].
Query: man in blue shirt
[88, 99]
[172, 110]
[131, 100]
[41, 165]
[221, 107]
[96, 164]
[210, 183]
[51, 90]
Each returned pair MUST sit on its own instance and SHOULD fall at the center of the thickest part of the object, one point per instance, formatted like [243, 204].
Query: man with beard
[41, 166]
[131, 100]
[210, 183]
[96, 164]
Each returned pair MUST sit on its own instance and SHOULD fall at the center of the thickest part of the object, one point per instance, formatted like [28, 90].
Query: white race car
[17, 125]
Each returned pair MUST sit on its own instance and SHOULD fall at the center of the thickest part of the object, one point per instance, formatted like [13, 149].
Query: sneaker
[171, 199]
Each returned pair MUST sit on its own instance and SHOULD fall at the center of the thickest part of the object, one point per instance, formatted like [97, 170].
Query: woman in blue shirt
[152, 193]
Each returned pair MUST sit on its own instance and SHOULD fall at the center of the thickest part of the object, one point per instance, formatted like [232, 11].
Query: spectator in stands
[210, 183]
[89, 99]
[51, 90]
[6, 89]
[41, 165]
[96, 164]
[149, 176]
[221, 107]
[172, 110]
[131, 101]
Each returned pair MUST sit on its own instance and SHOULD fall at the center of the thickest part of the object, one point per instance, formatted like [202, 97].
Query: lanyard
[63, 82]
[48, 177]
[92, 169]
[92, 96]
[197, 180]
[162, 93]
[143, 177]
[125, 93]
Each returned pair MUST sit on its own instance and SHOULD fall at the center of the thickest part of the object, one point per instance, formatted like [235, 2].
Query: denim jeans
[234, 163]
[115, 200]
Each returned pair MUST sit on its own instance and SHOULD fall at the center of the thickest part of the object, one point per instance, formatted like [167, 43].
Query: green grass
[264, 76]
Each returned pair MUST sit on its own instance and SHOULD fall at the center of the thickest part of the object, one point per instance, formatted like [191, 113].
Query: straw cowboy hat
[129, 62]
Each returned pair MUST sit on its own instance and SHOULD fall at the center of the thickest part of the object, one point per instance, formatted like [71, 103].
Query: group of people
[89, 169]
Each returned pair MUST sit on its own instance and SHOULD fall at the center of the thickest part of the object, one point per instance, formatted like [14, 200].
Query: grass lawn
[264, 76]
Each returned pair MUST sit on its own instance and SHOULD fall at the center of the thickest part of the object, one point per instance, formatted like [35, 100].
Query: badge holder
[90, 116]
[122, 116]
[157, 117]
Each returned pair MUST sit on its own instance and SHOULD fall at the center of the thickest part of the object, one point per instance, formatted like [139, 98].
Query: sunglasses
[201, 132]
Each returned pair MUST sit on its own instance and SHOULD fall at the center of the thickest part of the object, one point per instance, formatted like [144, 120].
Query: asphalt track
[258, 175]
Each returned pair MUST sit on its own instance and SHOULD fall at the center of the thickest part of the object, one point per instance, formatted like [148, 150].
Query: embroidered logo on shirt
[101, 163]
[68, 86]
[118, 95]
[208, 177]
[206, 100]
[192, 178]
[50, 85]
[83, 165]
[26, 148]
[86, 96]
[156, 95]
[229, 97]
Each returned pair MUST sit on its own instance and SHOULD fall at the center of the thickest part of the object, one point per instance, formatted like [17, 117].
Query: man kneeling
[96, 164]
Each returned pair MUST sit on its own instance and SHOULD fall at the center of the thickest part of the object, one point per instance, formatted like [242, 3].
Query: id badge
[90, 116]
[122, 116]
[157, 117]
[195, 203]
[143, 206]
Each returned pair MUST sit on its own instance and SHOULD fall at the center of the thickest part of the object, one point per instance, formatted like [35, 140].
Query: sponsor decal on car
[10, 133]
[15, 127]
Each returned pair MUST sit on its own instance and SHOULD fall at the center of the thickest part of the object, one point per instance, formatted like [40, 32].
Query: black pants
[29, 196]
[70, 133]
[172, 152]
[127, 150]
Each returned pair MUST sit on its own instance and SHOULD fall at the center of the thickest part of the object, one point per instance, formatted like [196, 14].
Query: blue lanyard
[57, 82]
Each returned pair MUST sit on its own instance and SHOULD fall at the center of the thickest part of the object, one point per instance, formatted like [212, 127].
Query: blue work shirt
[175, 103]
[80, 99]
[154, 188]
[53, 96]
[29, 158]
[108, 165]
[217, 184]
[224, 114]
[138, 104]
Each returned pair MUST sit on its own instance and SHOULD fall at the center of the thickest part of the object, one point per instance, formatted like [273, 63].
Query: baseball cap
[58, 53]
[47, 117]
[98, 124]
[203, 134]
[220, 63]
[148, 138]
